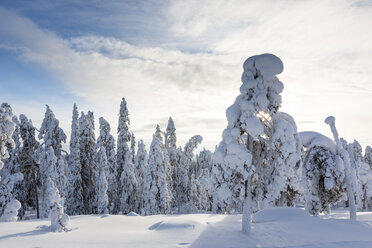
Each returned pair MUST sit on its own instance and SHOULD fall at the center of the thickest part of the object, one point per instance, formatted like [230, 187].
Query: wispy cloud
[192, 71]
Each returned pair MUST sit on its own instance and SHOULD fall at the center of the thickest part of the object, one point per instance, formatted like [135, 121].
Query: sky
[184, 59]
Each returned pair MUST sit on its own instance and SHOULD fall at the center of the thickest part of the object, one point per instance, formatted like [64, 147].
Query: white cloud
[325, 46]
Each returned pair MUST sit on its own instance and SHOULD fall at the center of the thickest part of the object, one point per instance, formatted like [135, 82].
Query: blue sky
[183, 59]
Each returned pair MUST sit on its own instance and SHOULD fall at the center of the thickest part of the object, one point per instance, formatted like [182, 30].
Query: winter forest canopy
[261, 161]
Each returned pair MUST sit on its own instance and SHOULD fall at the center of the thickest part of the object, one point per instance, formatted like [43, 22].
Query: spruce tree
[186, 174]
[87, 144]
[7, 128]
[51, 149]
[29, 165]
[157, 195]
[107, 141]
[127, 200]
[74, 202]
[141, 161]
[102, 183]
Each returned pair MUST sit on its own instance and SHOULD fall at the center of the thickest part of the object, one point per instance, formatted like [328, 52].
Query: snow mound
[279, 214]
[169, 225]
[132, 214]
[267, 64]
[311, 139]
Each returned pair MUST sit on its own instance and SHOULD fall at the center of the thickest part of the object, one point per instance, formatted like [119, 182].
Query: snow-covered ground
[278, 227]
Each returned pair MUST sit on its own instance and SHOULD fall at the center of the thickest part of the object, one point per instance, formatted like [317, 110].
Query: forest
[262, 161]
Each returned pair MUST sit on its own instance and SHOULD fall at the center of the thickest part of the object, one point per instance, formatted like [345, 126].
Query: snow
[273, 227]
[267, 64]
[310, 139]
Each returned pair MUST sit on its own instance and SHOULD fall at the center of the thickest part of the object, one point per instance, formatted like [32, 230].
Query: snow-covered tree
[74, 202]
[174, 155]
[107, 141]
[330, 120]
[356, 159]
[101, 180]
[157, 195]
[141, 161]
[51, 149]
[51, 133]
[365, 177]
[284, 176]
[29, 166]
[87, 145]
[9, 206]
[10, 213]
[7, 128]
[61, 181]
[127, 200]
[133, 146]
[170, 135]
[48, 174]
[368, 156]
[12, 167]
[205, 164]
[52, 136]
[323, 172]
[186, 193]
[249, 122]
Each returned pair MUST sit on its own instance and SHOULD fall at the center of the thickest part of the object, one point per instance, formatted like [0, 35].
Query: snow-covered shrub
[6, 196]
[58, 220]
[11, 211]
[324, 171]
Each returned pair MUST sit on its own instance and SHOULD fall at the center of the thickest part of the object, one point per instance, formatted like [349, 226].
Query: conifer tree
[141, 161]
[174, 156]
[29, 166]
[107, 141]
[74, 202]
[52, 136]
[102, 184]
[7, 128]
[127, 200]
[87, 145]
[157, 195]
[186, 174]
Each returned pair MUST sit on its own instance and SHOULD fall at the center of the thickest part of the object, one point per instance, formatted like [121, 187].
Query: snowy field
[279, 227]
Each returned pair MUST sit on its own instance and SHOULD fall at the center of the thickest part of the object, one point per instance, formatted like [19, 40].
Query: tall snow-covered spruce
[127, 200]
[249, 136]
[157, 194]
[141, 161]
[74, 202]
[88, 170]
[52, 136]
[107, 141]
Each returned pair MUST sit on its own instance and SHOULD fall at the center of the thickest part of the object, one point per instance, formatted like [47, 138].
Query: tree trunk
[246, 219]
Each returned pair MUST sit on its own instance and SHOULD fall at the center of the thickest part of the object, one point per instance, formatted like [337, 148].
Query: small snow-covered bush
[11, 211]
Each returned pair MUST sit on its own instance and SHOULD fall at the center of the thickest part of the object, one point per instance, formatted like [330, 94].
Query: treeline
[262, 161]
[100, 175]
